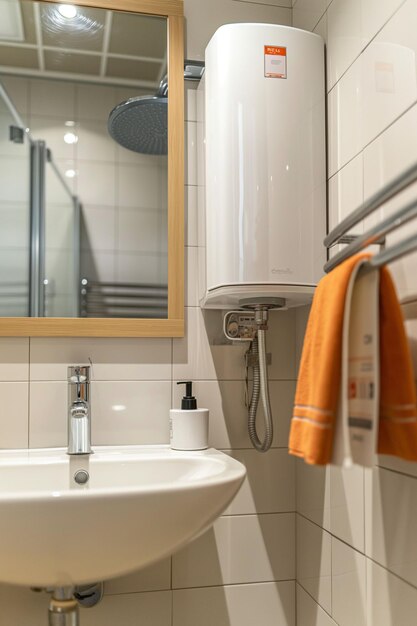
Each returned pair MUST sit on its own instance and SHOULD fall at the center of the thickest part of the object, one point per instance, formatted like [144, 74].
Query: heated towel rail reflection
[136, 300]
[377, 233]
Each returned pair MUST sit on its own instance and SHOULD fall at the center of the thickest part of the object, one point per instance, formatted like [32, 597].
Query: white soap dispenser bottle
[188, 426]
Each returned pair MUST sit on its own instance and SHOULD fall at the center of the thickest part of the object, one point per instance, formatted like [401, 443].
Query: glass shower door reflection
[14, 213]
[61, 246]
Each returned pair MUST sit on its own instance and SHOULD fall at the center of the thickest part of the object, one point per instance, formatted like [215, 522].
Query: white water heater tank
[262, 165]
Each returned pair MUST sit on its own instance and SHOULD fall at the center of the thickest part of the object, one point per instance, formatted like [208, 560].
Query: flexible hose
[260, 388]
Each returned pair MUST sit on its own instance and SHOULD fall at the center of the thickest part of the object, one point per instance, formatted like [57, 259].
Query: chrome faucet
[79, 416]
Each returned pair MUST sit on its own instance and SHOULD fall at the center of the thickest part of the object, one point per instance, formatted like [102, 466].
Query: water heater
[262, 173]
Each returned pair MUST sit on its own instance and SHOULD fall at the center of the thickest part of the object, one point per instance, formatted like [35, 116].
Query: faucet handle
[78, 374]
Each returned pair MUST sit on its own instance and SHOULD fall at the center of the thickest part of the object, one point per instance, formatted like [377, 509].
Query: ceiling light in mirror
[68, 11]
[60, 22]
[70, 138]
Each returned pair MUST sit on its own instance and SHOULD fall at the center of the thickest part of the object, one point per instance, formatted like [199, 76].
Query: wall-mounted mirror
[91, 168]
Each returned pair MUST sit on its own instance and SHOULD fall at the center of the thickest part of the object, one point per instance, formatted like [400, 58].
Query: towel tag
[363, 369]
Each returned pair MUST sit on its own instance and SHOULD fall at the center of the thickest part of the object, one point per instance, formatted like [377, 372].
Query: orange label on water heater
[275, 61]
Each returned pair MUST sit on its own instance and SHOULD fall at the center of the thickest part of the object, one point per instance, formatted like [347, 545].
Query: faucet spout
[79, 415]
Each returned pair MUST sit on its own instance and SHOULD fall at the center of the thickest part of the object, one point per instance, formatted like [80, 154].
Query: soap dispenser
[188, 426]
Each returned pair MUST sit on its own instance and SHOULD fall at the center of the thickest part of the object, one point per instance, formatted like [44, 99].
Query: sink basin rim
[230, 469]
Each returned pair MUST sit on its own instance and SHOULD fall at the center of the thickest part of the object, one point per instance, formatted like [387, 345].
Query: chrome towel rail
[112, 299]
[376, 234]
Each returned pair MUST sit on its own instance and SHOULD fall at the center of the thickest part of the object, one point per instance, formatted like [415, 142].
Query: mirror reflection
[83, 162]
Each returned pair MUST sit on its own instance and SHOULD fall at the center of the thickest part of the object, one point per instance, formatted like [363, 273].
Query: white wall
[356, 549]
[242, 571]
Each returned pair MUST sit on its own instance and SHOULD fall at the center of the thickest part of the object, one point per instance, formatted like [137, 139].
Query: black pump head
[188, 402]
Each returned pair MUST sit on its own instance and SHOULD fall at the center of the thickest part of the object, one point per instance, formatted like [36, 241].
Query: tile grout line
[366, 556]
[377, 136]
[367, 45]
[266, 4]
[315, 601]
[173, 590]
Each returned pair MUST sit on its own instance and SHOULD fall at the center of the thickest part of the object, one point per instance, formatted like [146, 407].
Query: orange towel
[316, 398]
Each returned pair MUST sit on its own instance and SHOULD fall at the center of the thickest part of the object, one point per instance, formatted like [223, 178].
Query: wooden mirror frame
[173, 325]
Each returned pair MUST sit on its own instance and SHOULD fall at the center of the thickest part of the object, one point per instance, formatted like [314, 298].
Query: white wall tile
[191, 275]
[96, 183]
[348, 585]
[398, 465]
[313, 493]
[143, 267]
[389, 600]
[379, 169]
[268, 604]
[343, 37]
[280, 339]
[18, 89]
[21, 605]
[94, 102]
[150, 608]
[98, 228]
[14, 358]
[301, 318]
[15, 414]
[121, 413]
[94, 142]
[314, 562]
[130, 412]
[347, 505]
[53, 131]
[269, 486]
[138, 230]
[307, 13]
[238, 549]
[389, 72]
[156, 577]
[191, 153]
[346, 193]
[398, 139]
[68, 168]
[309, 613]
[138, 186]
[48, 414]
[112, 359]
[228, 427]
[345, 102]
[52, 98]
[190, 101]
[203, 19]
[191, 217]
[375, 14]
[14, 178]
[390, 511]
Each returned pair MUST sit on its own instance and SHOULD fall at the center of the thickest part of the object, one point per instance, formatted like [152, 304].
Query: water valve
[240, 325]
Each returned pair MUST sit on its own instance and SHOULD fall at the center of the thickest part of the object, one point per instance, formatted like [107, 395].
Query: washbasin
[139, 504]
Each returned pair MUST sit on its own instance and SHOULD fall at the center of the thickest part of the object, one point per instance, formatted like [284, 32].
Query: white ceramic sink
[140, 504]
